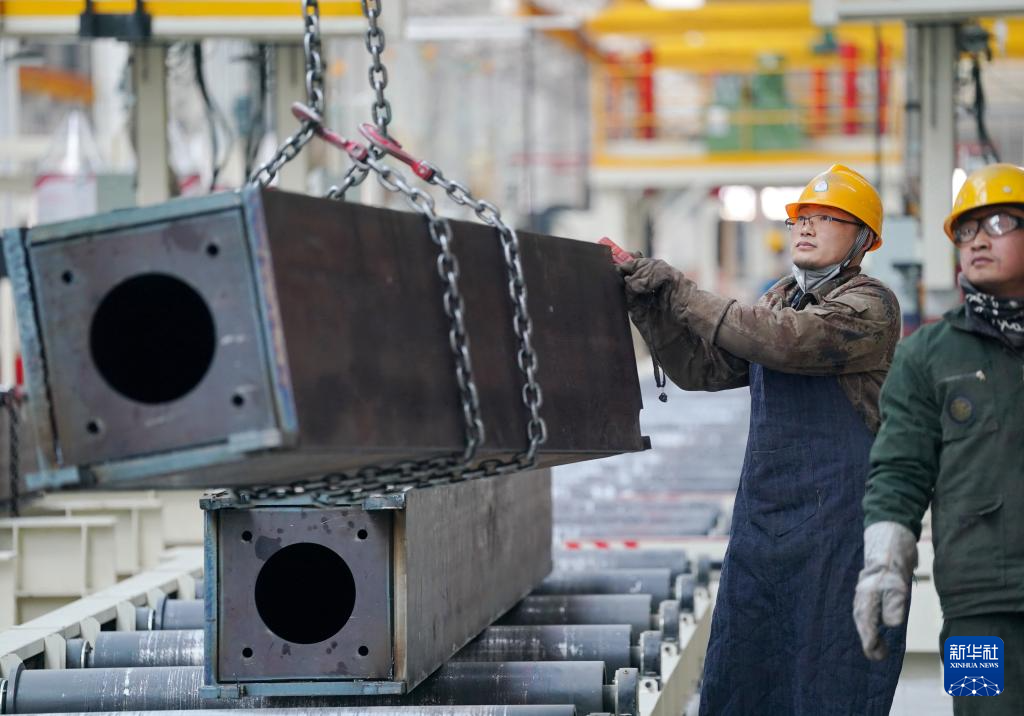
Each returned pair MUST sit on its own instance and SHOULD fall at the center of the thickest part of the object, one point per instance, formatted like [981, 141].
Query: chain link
[290, 148]
[340, 488]
[314, 60]
[378, 74]
[522, 324]
[355, 176]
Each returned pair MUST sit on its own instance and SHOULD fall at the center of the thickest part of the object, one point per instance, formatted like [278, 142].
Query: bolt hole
[363, 651]
[238, 400]
[362, 534]
[67, 277]
[93, 427]
[247, 536]
[212, 250]
[246, 653]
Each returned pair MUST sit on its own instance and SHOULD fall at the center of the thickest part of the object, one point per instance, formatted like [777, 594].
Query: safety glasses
[998, 224]
[817, 221]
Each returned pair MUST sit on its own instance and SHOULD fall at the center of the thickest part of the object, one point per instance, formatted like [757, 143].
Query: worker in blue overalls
[814, 351]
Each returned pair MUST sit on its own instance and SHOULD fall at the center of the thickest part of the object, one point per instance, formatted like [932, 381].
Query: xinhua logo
[974, 666]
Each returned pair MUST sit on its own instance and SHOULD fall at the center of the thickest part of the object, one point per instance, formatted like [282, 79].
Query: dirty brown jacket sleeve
[689, 361]
[847, 331]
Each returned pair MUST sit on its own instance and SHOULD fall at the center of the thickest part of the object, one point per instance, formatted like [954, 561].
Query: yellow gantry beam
[249, 9]
[636, 17]
[741, 50]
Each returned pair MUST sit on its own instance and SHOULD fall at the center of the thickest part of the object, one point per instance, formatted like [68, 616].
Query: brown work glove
[653, 290]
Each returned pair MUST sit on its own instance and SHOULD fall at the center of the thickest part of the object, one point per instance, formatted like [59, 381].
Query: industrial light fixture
[774, 200]
[676, 4]
[738, 203]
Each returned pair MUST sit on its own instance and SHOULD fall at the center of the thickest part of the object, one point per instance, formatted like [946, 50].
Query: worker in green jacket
[952, 436]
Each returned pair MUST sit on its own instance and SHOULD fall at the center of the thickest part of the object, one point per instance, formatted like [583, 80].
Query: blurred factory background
[679, 128]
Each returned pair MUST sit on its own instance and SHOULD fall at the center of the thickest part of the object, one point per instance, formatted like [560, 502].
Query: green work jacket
[952, 435]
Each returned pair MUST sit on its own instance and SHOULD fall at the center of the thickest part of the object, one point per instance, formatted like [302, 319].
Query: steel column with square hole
[260, 336]
[366, 598]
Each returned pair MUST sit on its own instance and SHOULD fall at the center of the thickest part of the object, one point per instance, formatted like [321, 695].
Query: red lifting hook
[420, 168]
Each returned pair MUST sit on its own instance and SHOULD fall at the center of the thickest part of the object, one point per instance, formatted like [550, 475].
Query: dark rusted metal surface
[352, 600]
[303, 594]
[329, 346]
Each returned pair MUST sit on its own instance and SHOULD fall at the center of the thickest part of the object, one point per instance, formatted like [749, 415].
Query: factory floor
[920, 689]
[698, 442]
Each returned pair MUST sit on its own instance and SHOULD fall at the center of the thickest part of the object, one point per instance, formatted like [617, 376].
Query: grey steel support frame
[260, 337]
[429, 570]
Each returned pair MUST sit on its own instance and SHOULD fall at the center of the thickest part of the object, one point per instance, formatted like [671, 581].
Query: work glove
[883, 587]
[650, 289]
[648, 277]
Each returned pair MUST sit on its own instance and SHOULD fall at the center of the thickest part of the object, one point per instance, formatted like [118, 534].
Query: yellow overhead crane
[734, 35]
[636, 17]
[175, 19]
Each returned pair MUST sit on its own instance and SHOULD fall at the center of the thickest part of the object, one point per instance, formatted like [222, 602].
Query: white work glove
[890, 556]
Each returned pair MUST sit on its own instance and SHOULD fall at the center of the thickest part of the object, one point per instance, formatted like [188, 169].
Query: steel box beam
[415, 579]
[263, 336]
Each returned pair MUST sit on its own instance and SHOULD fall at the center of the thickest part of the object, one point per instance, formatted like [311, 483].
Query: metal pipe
[593, 560]
[649, 662]
[684, 589]
[609, 643]
[667, 620]
[631, 609]
[547, 710]
[76, 651]
[655, 582]
[179, 614]
[56, 691]
[580, 683]
[144, 618]
[122, 649]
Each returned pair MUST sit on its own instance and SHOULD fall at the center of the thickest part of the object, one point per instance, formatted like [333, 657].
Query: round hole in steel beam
[305, 593]
[152, 338]
[246, 653]
[364, 651]
[362, 534]
[247, 536]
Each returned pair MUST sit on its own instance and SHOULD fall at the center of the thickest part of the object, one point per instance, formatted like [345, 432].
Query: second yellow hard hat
[988, 186]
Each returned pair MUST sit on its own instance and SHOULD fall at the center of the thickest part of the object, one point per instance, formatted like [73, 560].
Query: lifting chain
[290, 148]
[380, 110]
[343, 488]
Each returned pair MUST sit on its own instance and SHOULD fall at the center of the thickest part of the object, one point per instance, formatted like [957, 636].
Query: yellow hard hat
[842, 188]
[994, 184]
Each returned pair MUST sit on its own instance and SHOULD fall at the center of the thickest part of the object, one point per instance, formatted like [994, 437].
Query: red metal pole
[848, 55]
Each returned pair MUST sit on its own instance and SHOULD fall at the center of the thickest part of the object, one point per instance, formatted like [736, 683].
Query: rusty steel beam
[261, 336]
